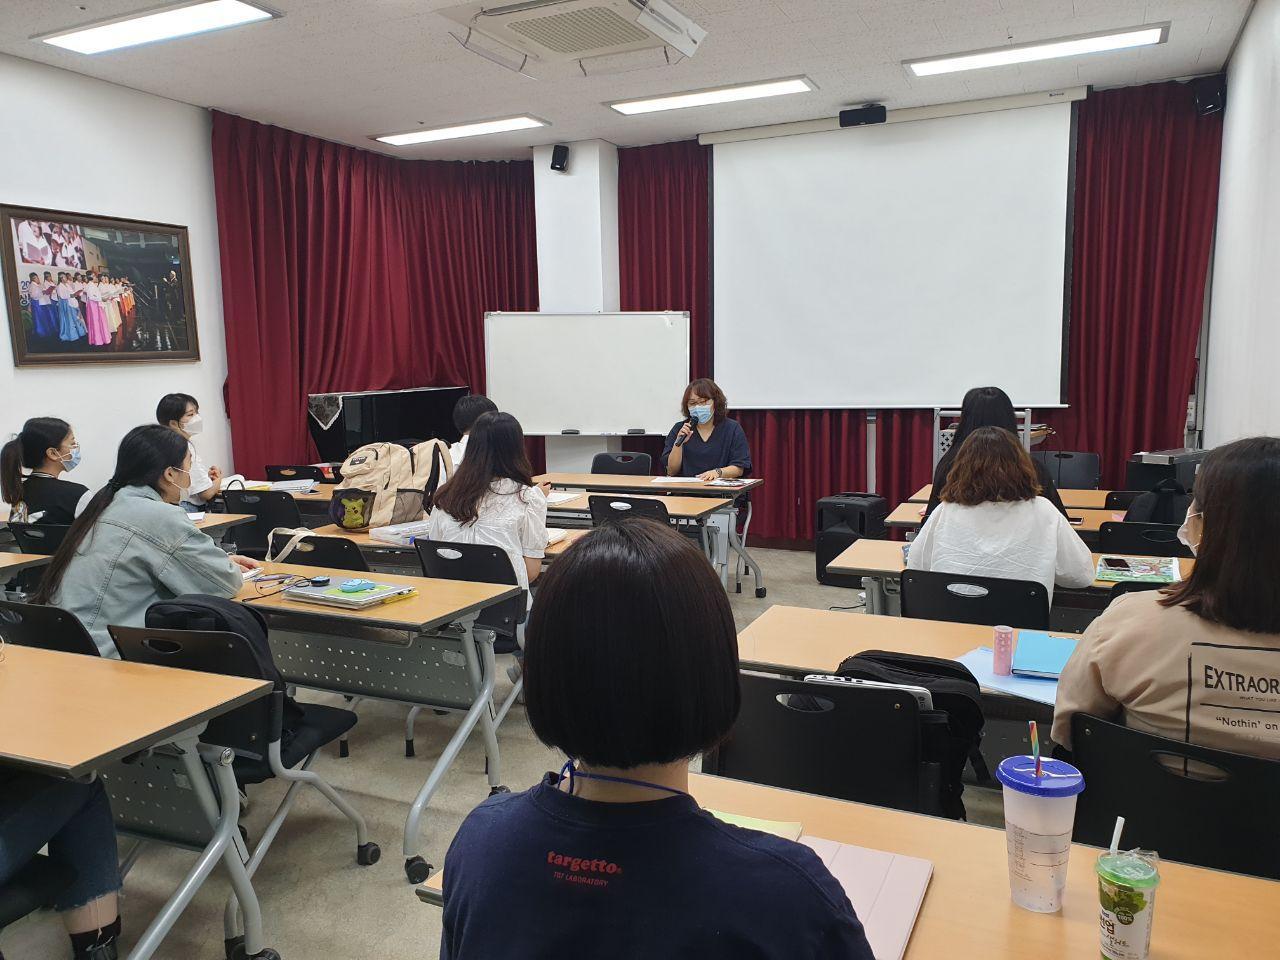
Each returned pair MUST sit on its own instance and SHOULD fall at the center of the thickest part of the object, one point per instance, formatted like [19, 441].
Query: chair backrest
[270, 508]
[1070, 469]
[1216, 815]
[476, 563]
[852, 743]
[1142, 540]
[41, 538]
[49, 628]
[623, 462]
[302, 471]
[248, 729]
[1121, 499]
[964, 599]
[1132, 586]
[606, 509]
[338, 553]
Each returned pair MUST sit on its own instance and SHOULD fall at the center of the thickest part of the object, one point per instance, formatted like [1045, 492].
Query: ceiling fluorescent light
[464, 130]
[1042, 50]
[158, 25]
[702, 98]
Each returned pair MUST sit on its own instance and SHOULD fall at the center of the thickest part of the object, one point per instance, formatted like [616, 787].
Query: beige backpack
[432, 466]
[376, 489]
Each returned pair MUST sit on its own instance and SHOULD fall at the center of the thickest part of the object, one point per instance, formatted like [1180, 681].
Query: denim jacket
[139, 551]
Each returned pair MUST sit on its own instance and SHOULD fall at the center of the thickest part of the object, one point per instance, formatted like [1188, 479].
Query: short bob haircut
[468, 410]
[1236, 576]
[173, 406]
[631, 655]
[706, 387]
[991, 467]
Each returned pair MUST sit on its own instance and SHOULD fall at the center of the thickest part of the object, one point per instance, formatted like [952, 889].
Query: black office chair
[1121, 499]
[338, 553]
[606, 509]
[295, 472]
[1131, 586]
[1071, 470]
[33, 888]
[851, 743]
[1141, 540]
[985, 600]
[45, 627]
[477, 563]
[41, 538]
[270, 508]
[1219, 813]
[627, 464]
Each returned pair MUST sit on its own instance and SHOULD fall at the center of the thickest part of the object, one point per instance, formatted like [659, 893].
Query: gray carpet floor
[316, 902]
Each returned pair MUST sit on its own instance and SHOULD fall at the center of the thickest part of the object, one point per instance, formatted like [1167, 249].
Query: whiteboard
[597, 373]
[894, 265]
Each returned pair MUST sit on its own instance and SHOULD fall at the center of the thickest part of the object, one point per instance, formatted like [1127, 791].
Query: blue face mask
[72, 460]
[701, 413]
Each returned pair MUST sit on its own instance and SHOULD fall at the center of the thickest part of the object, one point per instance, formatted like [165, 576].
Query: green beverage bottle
[1127, 883]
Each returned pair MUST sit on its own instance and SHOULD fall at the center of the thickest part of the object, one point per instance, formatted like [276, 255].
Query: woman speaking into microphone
[706, 444]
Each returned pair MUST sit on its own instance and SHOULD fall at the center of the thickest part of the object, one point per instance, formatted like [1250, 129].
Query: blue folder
[1039, 654]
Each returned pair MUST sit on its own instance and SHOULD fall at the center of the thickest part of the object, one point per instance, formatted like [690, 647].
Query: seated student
[491, 498]
[74, 819]
[987, 407]
[181, 412]
[1193, 660]
[631, 669]
[465, 413]
[47, 447]
[706, 444]
[133, 546]
[993, 523]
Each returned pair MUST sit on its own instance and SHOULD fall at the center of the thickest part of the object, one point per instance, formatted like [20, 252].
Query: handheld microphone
[680, 440]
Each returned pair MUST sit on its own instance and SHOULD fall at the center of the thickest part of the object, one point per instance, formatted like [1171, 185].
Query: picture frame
[104, 290]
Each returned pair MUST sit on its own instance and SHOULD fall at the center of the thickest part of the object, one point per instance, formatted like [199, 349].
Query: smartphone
[923, 698]
[1115, 563]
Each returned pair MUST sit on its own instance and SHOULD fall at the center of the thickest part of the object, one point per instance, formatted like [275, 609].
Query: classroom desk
[14, 563]
[967, 913]
[1078, 499]
[390, 557]
[43, 728]
[880, 563]
[420, 651]
[910, 516]
[679, 508]
[217, 524]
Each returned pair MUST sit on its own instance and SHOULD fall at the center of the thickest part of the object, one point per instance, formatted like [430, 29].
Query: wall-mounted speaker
[1209, 93]
[860, 116]
[559, 157]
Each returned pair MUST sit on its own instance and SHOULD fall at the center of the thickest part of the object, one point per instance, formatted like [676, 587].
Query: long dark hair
[27, 449]
[984, 407]
[1234, 581]
[494, 452]
[145, 453]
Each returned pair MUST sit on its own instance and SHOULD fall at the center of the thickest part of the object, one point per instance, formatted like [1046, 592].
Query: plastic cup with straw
[1127, 882]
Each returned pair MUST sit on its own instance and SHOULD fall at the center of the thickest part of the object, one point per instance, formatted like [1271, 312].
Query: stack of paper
[401, 534]
[555, 535]
[560, 496]
[294, 486]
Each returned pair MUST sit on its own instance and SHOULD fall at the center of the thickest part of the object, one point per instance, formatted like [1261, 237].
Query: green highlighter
[1127, 883]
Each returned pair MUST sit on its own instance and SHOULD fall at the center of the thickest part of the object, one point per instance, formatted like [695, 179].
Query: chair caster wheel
[494, 791]
[234, 947]
[367, 854]
[737, 588]
[408, 749]
[235, 951]
[760, 591]
[344, 749]
[417, 870]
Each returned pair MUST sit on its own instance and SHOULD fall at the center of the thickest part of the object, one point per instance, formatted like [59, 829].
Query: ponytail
[145, 453]
[27, 449]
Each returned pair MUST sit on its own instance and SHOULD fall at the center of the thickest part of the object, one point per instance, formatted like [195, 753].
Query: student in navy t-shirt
[631, 668]
[706, 444]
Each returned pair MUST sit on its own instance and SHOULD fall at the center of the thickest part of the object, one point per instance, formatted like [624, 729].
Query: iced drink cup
[1039, 813]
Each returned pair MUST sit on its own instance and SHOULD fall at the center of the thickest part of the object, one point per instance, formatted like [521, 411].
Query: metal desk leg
[740, 549]
[876, 602]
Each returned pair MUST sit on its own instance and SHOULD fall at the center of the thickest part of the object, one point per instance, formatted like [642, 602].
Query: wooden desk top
[681, 508]
[883, 558]
[910, 516]
[11, 563]
[67, 714]
[1079, 499]
[564, 543]
[618, 483]
[437, 601]
[216, 522]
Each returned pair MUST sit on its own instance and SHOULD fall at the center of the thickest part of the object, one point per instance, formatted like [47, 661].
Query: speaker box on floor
[841, 520]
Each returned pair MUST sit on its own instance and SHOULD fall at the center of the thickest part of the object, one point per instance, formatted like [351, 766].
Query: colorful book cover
[1141, 570]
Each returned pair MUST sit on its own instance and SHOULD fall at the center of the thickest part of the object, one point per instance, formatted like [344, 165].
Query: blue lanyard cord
[570, 772]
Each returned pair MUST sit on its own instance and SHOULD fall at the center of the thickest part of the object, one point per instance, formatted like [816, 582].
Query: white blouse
[511, 516]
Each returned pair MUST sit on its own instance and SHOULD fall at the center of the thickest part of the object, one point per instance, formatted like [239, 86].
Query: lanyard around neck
[570, 772]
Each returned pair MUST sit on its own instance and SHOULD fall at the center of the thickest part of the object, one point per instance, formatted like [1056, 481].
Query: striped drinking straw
[1035, 743]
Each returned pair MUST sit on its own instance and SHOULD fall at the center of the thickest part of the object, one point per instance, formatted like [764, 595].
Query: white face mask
[183, 491]
[193, 426]
[1184, 532]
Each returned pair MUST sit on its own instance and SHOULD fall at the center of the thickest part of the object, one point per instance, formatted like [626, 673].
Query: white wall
[577, 223]
[1242, 386]
[123, 154]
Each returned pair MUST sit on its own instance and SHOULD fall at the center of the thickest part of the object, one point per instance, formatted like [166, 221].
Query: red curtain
[348, 270]
[904, 453]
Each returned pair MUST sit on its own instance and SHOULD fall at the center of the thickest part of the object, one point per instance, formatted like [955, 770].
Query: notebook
[1041, 655]
[560, 496]
[979, 662]
[295, 486]
[555, 535]
[401, 534]
[1141, 570]
[333, 596]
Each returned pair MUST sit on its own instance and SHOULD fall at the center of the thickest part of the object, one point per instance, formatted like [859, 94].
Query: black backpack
[1166, 502]
[952, 731]
[195, 611]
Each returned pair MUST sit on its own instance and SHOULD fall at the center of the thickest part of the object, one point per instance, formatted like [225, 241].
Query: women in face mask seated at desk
[706, 444]
[181, 412]
[133, 545]
[631, 666]
[47, 447]
[1199, 660]
[993, 522]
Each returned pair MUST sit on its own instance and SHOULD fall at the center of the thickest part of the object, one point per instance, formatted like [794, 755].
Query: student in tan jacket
[1198, 661]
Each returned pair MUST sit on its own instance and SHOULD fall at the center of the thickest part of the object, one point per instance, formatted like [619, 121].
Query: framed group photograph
[87, 289]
